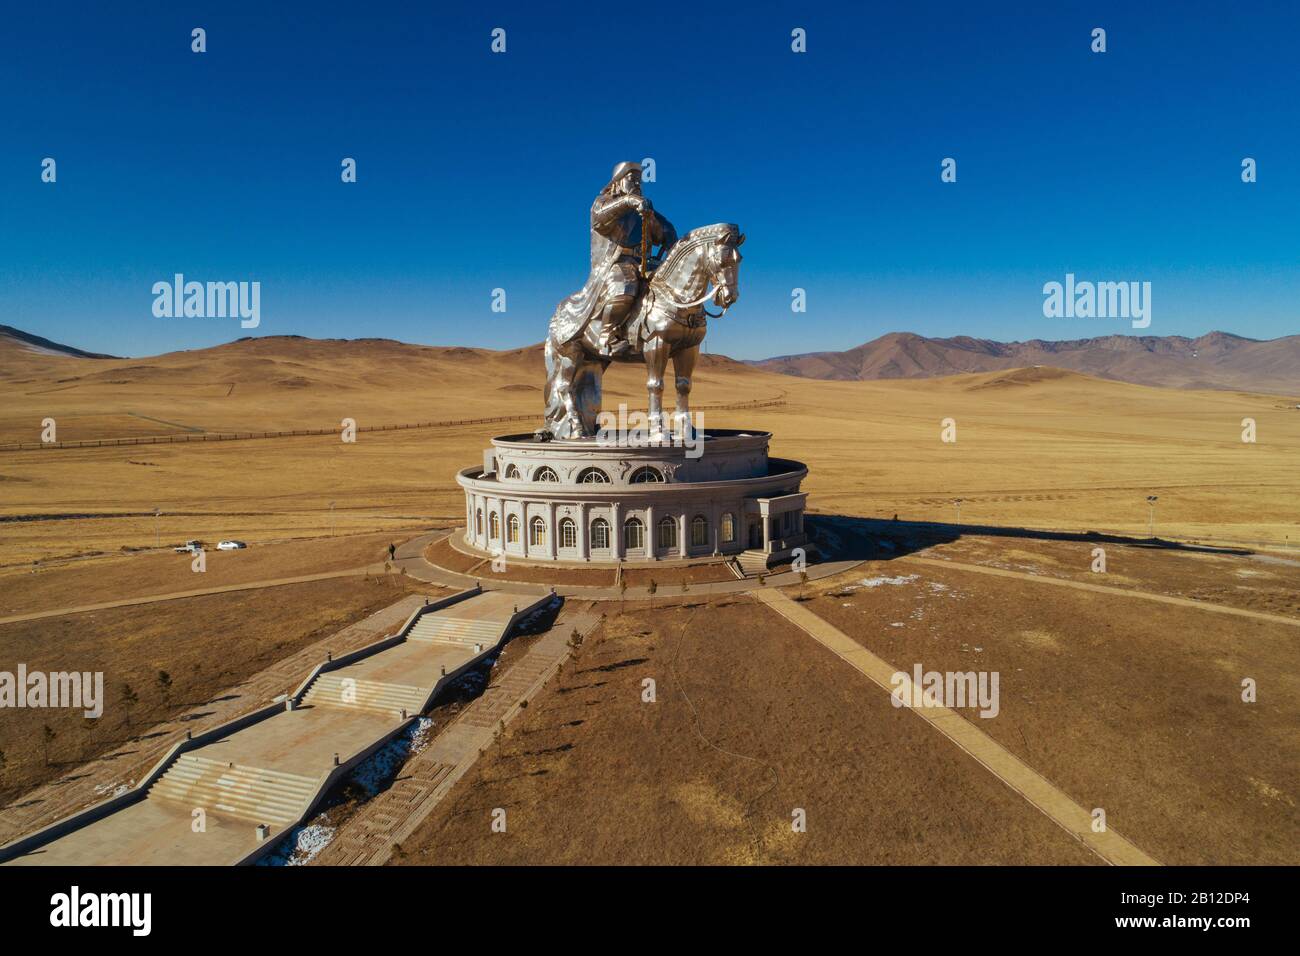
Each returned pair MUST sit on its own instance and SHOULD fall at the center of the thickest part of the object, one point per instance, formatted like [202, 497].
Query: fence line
[303, 432]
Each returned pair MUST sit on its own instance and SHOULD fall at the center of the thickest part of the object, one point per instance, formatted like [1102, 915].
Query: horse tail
[554, 406]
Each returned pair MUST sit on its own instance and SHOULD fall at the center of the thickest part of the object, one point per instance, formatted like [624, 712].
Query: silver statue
[636, 307]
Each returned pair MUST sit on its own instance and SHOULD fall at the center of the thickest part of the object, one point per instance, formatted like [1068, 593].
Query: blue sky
[476, 170]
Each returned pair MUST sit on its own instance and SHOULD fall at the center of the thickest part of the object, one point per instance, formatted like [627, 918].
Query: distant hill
[1217, 360]
[35, 343]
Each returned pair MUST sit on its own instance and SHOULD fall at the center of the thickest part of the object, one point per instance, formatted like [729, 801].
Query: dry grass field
[1122, 703]
[1035, 447]
[1128, 705]
[750, 722]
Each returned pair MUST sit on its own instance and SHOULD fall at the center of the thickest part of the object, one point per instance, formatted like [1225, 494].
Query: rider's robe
[615, 262]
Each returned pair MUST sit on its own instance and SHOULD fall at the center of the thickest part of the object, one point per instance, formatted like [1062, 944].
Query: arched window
[646, 474]
[592, 476]
[633, 534]
[512, 471]
[512, 529]
[699, 531]
[494, 526]
[545, 474]
[667, 536]
[568, 533]
[728, 527]
[600, 534]
[478, 522]
[536, 532]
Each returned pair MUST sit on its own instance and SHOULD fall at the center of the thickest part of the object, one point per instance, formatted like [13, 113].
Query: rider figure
[616, 218]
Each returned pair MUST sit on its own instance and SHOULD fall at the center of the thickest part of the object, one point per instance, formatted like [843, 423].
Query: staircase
[437, 629]
[753, 562]
[246, 793]
[333, 689]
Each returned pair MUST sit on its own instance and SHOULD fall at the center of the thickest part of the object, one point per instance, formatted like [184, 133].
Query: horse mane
[694, 238]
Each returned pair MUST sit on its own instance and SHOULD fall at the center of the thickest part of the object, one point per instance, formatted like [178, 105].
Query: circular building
[606, 502]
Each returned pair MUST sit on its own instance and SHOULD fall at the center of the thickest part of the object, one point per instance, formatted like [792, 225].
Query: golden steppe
[1037, 447]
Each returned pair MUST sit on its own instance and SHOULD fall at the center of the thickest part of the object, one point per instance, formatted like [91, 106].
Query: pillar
[616, 530]
[552, 538]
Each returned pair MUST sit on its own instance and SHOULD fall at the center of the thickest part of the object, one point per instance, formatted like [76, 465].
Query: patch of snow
[300, 847]
[878, 581]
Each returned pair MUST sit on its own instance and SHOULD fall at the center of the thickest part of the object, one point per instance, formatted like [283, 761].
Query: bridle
[714, 266]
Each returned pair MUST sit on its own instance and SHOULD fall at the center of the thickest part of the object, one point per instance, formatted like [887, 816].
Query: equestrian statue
[636, 306]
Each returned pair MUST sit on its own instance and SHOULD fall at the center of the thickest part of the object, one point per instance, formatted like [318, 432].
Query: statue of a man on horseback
[625, 228]
[636, 306]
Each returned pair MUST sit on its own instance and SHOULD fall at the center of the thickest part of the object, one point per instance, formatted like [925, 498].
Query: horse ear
[741, 240]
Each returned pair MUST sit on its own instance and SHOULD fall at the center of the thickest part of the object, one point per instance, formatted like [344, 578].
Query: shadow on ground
[849, 538]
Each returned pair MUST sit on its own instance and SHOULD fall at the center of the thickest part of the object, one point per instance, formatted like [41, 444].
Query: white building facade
[578, 501]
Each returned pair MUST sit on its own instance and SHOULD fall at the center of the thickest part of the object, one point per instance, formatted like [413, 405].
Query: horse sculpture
[668, 321]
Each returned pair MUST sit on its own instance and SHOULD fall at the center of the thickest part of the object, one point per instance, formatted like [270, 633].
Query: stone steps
[436, 629]
[376, 697]
[753, 562]
[254, 794]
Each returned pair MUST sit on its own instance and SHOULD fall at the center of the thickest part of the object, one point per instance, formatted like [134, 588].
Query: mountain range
[1217, 360]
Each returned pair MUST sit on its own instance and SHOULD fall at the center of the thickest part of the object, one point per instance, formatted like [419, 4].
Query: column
[681, 535]
[650, 533]
[523, 528]
[552, 544]
[582, 531]
[616, 530]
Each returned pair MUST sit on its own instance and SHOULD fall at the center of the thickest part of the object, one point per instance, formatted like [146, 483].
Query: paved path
[410, 557]
[368, 838]
[177, 595]
[995, 758]
[1105, 589]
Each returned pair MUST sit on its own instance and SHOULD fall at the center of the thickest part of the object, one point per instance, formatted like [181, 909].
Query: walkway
[199, 592]
[1104, 589]
[995, 758]
[410, 557]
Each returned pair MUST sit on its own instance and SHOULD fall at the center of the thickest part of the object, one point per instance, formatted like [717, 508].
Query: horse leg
[562, 362]
[683, 369]
[655, 353]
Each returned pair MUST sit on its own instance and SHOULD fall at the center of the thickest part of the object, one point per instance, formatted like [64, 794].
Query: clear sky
[476, 170]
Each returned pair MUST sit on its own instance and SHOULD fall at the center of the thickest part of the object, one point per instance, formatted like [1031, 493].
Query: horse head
[709, 255]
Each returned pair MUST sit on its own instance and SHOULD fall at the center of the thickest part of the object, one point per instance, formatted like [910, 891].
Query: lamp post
[957, 502]
[157, 530]
[1151, 515]
[331, 519]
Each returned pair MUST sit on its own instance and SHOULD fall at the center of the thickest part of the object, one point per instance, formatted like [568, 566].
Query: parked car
[231, 546]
